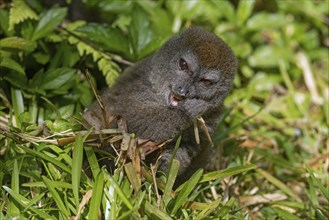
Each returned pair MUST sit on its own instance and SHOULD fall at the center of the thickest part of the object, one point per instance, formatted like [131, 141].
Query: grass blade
[62, 153]
[33, 201]
[77, 167]
[93, 162]
[186, 190]
[155, 213]
[96, 197]
[56, 196]
[132, 176]
[25, 202]
[18, 104]
[278, 184]
[285, 214]
[177, 144]
[227, 172]
[226, 208]
[13, 208]
[57, 184]
[47, 158]
[323, 189]
[170, 181]
[312, 194]
[120, 193]
[208, 209]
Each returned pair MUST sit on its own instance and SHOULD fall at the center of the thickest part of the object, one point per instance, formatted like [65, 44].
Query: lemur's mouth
[174, 99]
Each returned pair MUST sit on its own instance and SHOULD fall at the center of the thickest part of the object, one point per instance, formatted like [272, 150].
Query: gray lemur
[162, 95]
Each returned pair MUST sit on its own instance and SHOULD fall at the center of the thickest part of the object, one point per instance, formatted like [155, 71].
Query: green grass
[273, 136]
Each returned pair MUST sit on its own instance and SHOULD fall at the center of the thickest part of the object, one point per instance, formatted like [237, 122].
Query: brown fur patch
[211, 51]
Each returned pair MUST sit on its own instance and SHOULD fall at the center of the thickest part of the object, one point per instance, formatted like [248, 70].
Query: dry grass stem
[309, 80]
[205, 129]
[99, 100]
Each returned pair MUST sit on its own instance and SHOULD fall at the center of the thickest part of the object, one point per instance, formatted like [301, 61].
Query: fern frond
[109, 69]
[19, 12]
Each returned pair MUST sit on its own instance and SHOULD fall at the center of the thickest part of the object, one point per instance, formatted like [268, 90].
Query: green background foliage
[273, 135]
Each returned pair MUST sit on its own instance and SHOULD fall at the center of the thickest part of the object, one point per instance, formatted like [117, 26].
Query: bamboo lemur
[162, 95]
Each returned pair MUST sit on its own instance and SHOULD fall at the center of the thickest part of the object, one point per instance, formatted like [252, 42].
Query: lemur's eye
[206, 82]
[182, 64]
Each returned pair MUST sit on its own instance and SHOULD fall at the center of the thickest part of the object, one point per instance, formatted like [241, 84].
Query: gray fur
[143, 95]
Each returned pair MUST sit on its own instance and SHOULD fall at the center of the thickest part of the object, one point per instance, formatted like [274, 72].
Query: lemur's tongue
[174, 100]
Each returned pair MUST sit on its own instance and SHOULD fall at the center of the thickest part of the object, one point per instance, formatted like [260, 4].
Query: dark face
[193, 88]
[184, 81]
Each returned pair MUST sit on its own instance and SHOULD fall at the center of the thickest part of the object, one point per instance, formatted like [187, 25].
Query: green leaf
[17, 43]
[244, 10]
[48, 22]
[221, 174]
[17, 79]
[226, 8]
[41, 58]
[261, 21]
[186, 190]
[109, 38]
[142, 37]
[65, 56]
[19, 12]
[183, 10]
[269, 56]
[58, 199]
[36, 82]
[160, 19]
[12, 64]
[55, 78]
[66, 112]
[4, 21]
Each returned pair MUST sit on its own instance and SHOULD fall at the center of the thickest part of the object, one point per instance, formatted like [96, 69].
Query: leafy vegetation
[273, 136]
